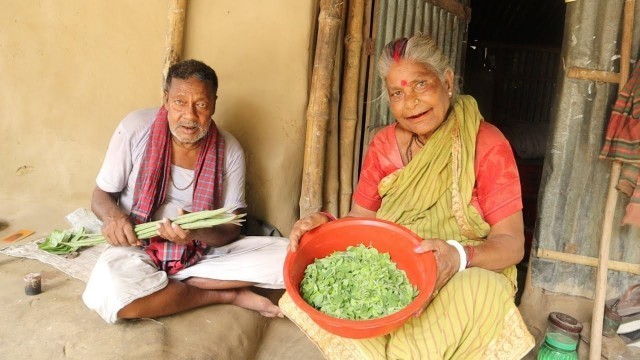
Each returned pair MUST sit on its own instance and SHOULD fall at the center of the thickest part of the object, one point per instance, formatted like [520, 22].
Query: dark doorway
[511, 68]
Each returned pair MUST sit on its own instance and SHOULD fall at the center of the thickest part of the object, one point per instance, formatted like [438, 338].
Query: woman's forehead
[408, 71]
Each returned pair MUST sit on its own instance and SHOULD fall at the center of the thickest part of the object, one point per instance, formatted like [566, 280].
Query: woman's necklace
[409, 152]
[184, 188]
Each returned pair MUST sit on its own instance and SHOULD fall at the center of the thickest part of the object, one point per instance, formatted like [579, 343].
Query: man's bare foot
[249, 300]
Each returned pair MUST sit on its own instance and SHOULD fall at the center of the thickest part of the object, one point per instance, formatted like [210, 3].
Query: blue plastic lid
[561, 341]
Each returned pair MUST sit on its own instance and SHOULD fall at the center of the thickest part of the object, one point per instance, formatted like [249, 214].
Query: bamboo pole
[455, 7]
[174, 38]
[349, 105]
[595, 345]
[370, 78]
[318, 108]
[586, 260]
[366, 76]
[595, 75]
[332, 171]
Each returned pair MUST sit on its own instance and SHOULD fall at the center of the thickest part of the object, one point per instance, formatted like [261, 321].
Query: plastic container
[561, 337]
[386, 237]
[566, 325]
[558, 346]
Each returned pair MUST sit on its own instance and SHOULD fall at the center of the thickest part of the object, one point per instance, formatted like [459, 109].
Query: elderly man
[160, 163]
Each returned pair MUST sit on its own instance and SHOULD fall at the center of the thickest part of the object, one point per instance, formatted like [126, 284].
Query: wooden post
[349, 106]
[319, 106]
[174, 38]
[331, 186]
[595, 344]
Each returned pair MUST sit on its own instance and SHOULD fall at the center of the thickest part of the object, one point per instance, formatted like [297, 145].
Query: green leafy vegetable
[359, 283]
[64, 242]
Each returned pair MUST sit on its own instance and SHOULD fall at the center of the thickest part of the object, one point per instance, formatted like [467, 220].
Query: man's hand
[174, 233]
[116, 225]
[118, 231]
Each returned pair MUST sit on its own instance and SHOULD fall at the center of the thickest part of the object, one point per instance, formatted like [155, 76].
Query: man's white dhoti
[124, 274]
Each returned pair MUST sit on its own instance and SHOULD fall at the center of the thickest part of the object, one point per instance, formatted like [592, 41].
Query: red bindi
[403, 82]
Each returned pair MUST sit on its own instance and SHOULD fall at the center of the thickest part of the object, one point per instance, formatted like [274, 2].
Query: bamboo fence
[349, 105]
[331, 186]
[175, 32]
[319, 107]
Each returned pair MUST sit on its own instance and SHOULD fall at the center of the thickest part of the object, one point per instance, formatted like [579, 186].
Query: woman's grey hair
[192, 69]
[421, 49]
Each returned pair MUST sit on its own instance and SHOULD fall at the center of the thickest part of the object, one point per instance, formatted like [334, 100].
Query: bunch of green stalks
[63, 242]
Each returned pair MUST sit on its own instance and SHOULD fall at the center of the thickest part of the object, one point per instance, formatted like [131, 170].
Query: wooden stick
[627, 37]
[174, 38]
[587, 260]
[349, 103]
[319, 106]
[368, 81]
[332, 161]
[597, 317]
[371, 9]
[595, 345]
[455, 7]
[594, 75]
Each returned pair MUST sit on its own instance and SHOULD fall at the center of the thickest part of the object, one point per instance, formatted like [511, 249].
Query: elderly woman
[450, 177]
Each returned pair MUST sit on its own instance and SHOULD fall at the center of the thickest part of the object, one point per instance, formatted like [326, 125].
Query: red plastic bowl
[385, 236]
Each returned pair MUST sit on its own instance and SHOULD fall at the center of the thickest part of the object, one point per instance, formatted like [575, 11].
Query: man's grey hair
[192, 69]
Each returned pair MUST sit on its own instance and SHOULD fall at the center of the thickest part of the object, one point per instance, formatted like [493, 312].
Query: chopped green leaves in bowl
[358, 284]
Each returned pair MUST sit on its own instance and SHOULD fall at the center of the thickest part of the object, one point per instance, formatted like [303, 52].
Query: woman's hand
[447, 259]
[302, 226]
[503, 247]
[447, 262]
[314, 220]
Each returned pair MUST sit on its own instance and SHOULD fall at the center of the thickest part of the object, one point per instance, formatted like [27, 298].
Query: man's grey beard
[202, 132]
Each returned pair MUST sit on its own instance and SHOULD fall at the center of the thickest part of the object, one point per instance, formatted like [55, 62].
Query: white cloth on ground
[124, 274]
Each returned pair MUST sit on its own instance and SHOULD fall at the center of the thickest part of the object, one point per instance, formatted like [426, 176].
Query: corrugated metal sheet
[445, 21]
[574, 182]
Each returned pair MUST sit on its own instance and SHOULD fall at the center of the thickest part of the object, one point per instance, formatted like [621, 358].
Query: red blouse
[496, 193]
